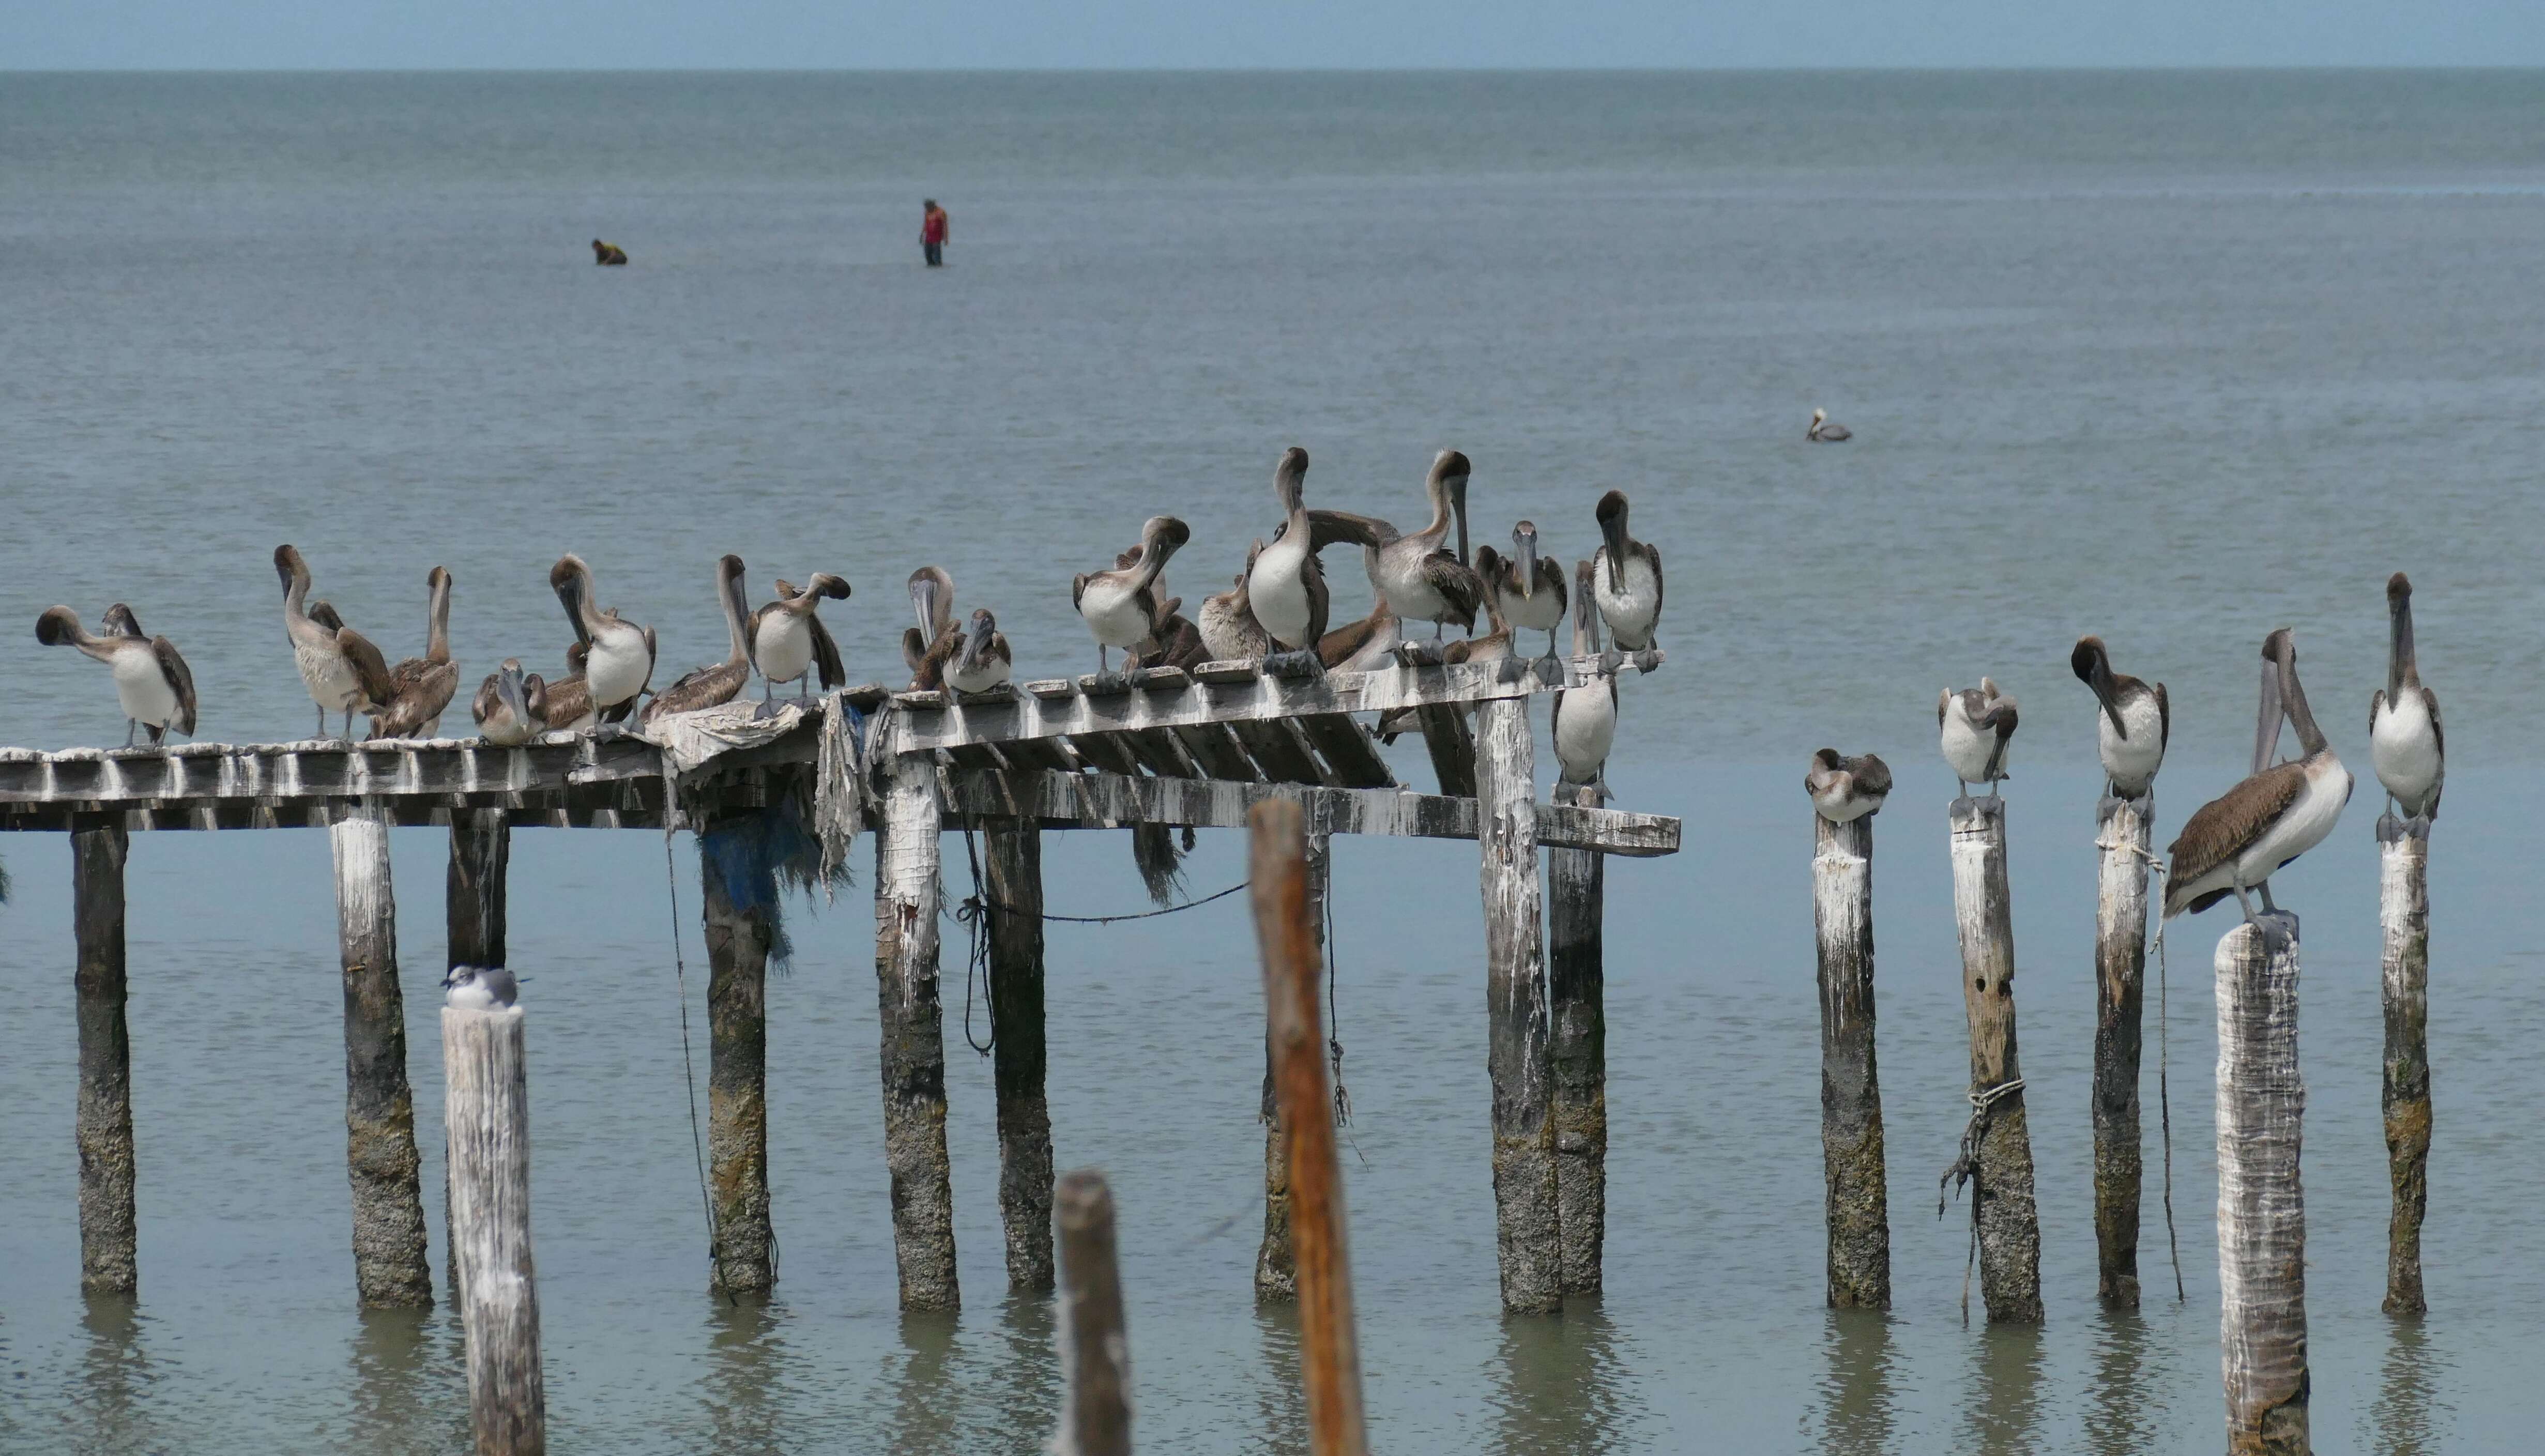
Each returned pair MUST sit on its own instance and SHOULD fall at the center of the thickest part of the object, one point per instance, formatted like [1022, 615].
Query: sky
[1074, 34]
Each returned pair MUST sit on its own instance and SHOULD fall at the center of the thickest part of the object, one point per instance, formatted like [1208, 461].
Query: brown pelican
[2137, 720]
[2237, 840]
[790, 643]
[1415, 573]
[1627, 582]
[1364, 646]
[985, 661]
[608, 255]
[1284, 583]
[1531, 586]
[2405, 740]
[931, 596]
[343, 671]
[1846, 788]
[620, 659]
[566, 703]
[420, 687]
[1978, 724]
[1586, 714]
[1496, 644]
[151, 681]
[511, 709]
[1824, 432]
[718, 683]
[1230, 630]
[1121, 606]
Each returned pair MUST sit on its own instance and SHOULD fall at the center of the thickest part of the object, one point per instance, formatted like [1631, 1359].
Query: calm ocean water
[2173, 358]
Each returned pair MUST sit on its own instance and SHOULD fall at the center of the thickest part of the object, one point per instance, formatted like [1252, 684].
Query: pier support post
[2404, 914]
[1998, 1143]
[1528, 1225]
[1577, 1050]
[914, 1040]
[109, 1240]
[2120, 988]
[1014, 889]
[390, 1263]
[1097, 1419]
[481, 852]
[1859, 1202]
[1275, 1268]
[487, 1109]
[740, 929]
[2262, 1205]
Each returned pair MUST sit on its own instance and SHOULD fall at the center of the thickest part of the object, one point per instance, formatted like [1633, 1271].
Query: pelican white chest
[783, 646]
[1585, 726]
[2131, 761]
[619, 665]
[2303, 825]
[1968, 746]
[330, 679]
[141, 686]
[1278, 588]
[2403, 744]
[1630, 604]
[1111, 608]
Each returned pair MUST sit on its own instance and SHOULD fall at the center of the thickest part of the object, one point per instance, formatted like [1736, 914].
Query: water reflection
[1856, 1401]
[2006, 1390]
[1029, 1385]
[2407, 1415]
[1280, 1405]
[924, 1417]
[747, 1361]
[2122, 1417]
[410, 1386]
[1558, 1388]
[113, 1395]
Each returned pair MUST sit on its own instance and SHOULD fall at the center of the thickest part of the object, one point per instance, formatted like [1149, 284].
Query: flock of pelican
[2234, 844]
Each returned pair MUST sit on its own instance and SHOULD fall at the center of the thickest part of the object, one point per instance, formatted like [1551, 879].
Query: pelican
[718, 683]
[151, 681]
[566, 703]
[1531, 588]
[2237, 840]
[1826, 431]
[1121, 606]
[1586, 714]
[420, 687]
[621, 658]
[1364, 646]
[2137, 720]
[1425, 581]
[1627, 584]
[985, 661]
[790, 643]
[2405, 739]
[1843, 790]
[1284, 584]
[341, 667]
[1496, 644]
[510, 708]
[931, 596]
[1230, 630]
[1978, 724]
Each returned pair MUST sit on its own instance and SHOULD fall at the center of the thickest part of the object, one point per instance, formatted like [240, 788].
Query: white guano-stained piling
[914, 1039]
[1528, 1231]
[1857, 1201]
[487, 1115]
[2001, 1144]
[2262, 1204]
[389, 1266]
[2120, 988]
[2403, 918]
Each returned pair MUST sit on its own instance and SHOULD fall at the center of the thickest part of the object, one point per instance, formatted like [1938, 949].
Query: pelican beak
[508, 690]
[923, 597]
[976, 643]
[1525, 541]
[1612, 530]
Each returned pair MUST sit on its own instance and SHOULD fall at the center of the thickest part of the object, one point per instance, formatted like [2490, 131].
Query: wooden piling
[1276, 1266]
[2262, 1205]
[1285, 931]
[2403, 915]
[2120, 987]
[1014, 874]
[2000, 1141]
[1577, 1049]
[1097, 1422]
[914, 1042]
[487, 1111]
[103, 1123]
[472, 893]
[740, 922]
[390, 1262]
[1528, 1225]
[1858, 1202]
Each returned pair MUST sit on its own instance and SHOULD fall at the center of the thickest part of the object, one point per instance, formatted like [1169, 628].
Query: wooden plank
[1214, 746]
[1282, 761]
[1348, 749]
[1160, 753]
[1107, 751]
[1452, 747]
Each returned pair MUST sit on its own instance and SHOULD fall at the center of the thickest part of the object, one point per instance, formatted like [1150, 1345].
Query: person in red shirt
[932, 233]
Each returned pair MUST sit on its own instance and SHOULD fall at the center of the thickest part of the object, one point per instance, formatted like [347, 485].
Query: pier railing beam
[487, 1109]
[1015, 872]
[1857, 1201]
[1526, 1199]
[109, 1240]
[740, 929]
[2262, 1205]
[1276, 1265]
[390, 1262]
[2010, 1228]
[481, 854]
[1577, 1050]
[2403, 915]
[914, 1039]
[2120, 987]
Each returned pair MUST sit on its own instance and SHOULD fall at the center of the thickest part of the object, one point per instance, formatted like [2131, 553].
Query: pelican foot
[1649, 660]
[1611, 662]
[2419, 826]
[2280, 930]
[1302, 663]
[767, 710]
[1108, 685]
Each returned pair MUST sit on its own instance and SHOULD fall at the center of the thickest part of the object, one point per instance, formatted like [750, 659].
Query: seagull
[478, 989]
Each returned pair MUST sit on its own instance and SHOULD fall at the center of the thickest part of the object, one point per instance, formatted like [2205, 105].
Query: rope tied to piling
[1965, 1168]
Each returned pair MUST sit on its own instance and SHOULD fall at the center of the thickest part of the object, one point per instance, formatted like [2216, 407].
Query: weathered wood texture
[914, 1040]
[103, 1125]
[1527, 1230]
[481, 854]
[2009, 1229]
[1276, 1266]
[1286, 932]
[2262, 1205]
[2404, 914]
[2120, 988]
[740, 925]
[1015, 873]
[1096, 1420]
[1858, 1202]
[390, 1262]
[487, 1115]
[1577, 1050]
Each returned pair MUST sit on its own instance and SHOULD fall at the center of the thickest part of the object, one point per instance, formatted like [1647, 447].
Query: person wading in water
[932, 233]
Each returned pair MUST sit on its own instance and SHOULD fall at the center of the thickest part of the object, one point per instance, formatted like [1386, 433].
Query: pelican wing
[369, 667]
[482, 706]
[1661, 583]
[1344, 529]
[1458, 584]
[1872, 775]
[914, 649]
[701, 688]
[826, 653]
[929, 673]
[2164, 719]
[2429, 699]
[1076, 593]
[2220, 830]
[182, 678]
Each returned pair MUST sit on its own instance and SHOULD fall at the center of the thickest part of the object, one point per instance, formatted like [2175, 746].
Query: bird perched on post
[339, 666]
[420, 687]
[619, 655]
[1845, 790]
[152, 683]
[479, 989]
[1978, 723]
[510, 708]
[1627, 584]
[2405, 740]
[2136, 722]
[1121, 607]
[789, 642]
[1531, 586]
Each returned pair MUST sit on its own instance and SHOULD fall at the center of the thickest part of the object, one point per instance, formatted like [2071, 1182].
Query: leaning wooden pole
[1858, 1198]
[390, 1261]
[1014, 889]
[1097, 1422]
[739, 900]
[487, 1109]
[1285, 931]
[481, 854]
[1998, 1145]
[914, 1040]
[2120, 988]
[108, 1237]
[2262, 1205]
[2404, 914]
[1577, 1049]
[1276, 1266]
[1528, 1225]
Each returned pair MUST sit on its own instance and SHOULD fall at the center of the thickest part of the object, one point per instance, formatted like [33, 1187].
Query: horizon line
[2194, 67]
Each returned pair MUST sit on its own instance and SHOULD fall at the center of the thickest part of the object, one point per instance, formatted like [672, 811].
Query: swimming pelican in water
[153, 683]
[1420, 578]
[1845, 790]
[1627, 586]
[789, 642]
[1978, 725]
[2405, 740]
[2136, 721]
[509, 708]
[621, 660]
[341, 667]
[1121, 607]
[1824, 432]
[420, 687]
